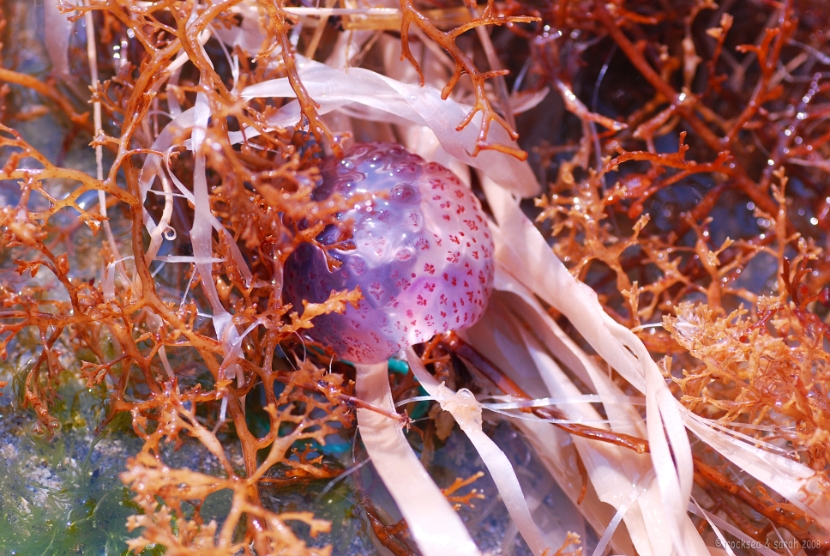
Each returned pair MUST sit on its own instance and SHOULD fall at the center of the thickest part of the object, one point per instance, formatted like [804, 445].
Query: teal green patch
[398, 366]
[62, 495]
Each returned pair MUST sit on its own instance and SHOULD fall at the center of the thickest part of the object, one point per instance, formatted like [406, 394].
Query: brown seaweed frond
[171, 498]
[141, 322]
[465, 65]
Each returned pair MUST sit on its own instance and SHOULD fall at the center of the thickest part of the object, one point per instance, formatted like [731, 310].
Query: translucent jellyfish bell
[422, 254]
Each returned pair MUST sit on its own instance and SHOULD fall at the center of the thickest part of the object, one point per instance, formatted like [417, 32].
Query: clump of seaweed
[162, 492]
[189, 221]
[682, 147]
[720, 132]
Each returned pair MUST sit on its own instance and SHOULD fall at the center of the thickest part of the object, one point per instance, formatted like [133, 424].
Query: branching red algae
[741, 104]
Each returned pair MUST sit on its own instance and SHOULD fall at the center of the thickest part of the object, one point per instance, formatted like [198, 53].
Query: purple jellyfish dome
[421, 253]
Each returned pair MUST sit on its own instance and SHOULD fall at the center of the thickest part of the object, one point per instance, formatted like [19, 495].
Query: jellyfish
[419, 248]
